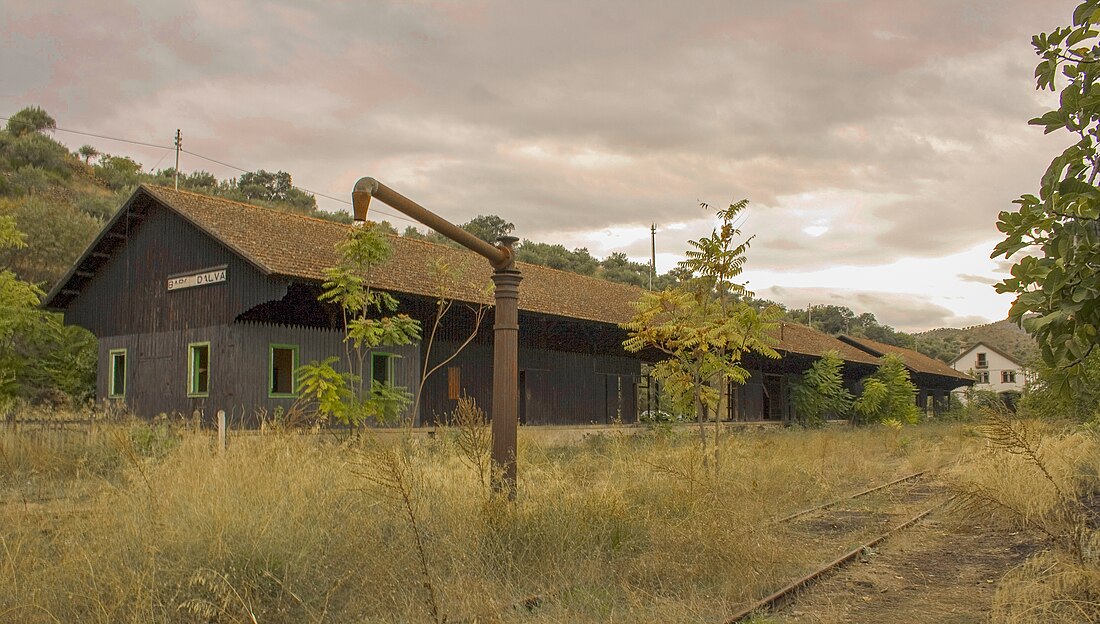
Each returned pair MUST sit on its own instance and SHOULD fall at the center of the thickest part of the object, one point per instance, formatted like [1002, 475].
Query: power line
[215, 161]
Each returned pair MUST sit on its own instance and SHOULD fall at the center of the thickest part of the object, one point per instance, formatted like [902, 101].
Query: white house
[992, 369]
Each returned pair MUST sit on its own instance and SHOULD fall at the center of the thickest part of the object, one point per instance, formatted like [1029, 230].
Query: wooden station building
[205, 304]
[767, 394]
[202, 303]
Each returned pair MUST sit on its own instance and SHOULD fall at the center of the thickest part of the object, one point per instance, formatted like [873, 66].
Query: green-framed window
[198, 369]
[282, 370]
[116, 382]
[381, 367]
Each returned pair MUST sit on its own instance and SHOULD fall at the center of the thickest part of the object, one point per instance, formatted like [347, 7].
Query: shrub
[821, 392]
[888, 393]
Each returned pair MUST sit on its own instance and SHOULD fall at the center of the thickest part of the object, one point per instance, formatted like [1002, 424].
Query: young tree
[1057, 280]
[350, 395]
[488, 227]
[39, 356]
[87, 152]
[18, 302]
[821, 391]
[704, 326]
[446, 276]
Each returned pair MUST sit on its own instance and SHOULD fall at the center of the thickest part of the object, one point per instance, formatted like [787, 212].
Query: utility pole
[810, 315]
[179, 144]
[652, 254]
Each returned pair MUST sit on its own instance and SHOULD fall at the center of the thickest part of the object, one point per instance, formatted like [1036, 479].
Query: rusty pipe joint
[501, 256]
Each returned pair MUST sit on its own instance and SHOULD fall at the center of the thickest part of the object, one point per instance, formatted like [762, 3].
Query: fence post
[221, 431]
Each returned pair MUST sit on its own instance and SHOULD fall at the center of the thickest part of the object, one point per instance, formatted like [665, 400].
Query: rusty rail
[829, 504]
[780, 595]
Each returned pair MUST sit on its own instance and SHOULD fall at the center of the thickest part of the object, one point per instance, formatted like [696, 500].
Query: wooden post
[221, 431]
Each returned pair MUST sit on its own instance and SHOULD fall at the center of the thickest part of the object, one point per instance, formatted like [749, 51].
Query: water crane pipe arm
[506, 279]
[366, 188]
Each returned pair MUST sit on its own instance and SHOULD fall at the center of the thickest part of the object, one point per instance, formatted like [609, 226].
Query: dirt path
[935, 572]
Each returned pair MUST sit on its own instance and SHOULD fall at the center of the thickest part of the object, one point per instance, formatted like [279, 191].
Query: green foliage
[821, 392]
[38, 150]
[118, 172]
[558, 257]
[273, 187]
[618, 268]
[1060, 285]
[888, 394]
[369, 324]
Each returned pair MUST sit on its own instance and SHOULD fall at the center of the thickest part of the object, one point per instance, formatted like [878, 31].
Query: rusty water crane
[506, 277]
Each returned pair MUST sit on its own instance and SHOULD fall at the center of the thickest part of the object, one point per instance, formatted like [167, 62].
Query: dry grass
[1043, 478]
[289, 528]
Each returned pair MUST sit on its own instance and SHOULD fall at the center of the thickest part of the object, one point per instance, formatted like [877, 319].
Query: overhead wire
[215, 161]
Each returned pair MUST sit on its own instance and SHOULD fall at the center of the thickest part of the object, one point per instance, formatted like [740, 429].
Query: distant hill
[946, 343]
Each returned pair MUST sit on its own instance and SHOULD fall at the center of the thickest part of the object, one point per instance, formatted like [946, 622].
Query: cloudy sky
[875, 140]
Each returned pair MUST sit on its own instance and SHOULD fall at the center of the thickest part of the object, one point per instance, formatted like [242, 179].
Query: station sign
[204, 277]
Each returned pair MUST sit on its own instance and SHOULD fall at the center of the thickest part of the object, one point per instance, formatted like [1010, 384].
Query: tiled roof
[917, 362]
[301, 247]
[297, 246]
[795, 338]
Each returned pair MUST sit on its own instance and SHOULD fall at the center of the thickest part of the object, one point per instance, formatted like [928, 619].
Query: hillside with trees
[947, 343]
[60, 200]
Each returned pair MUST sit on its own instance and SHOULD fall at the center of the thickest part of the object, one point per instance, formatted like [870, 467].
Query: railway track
[837, 524]
[917, 493]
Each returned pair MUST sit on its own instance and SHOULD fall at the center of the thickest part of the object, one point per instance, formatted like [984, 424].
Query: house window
[982, 361]
[116, 384]
[282, 375]
[454, 383]
[198, 369]
[982, 377]
[381, 368]
[1008, 376]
